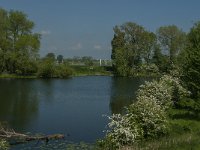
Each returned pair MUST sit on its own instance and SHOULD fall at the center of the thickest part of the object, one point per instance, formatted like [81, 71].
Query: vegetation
[136, 50]
[19, 52]
[163, 109]
[166, 109]
[4, 145]
[191, 65]
[18, 44]
[131, 45]
[146, 118]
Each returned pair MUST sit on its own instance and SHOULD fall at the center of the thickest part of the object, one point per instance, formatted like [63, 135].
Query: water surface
[72, 106]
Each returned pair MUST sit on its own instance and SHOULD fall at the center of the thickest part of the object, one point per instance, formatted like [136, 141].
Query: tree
[51, 56]
[150, 44]
[161, 60]
[191, 67]
[18, 44]
[172, 40]
[5, 43]
[87, 60]
[46, 68]
[60, 58]
[131, 45]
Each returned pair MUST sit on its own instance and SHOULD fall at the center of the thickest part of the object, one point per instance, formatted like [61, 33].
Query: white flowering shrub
[150, 116]
[160, 92]
[167, 90]
[174, 82]
[123, 131]
[4, 145]
[147, 117]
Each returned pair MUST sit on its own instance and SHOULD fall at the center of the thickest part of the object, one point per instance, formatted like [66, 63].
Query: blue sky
[85, 27]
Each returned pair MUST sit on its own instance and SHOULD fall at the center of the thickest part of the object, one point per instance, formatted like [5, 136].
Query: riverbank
[14, 76]
[76, 71]
[184, 133]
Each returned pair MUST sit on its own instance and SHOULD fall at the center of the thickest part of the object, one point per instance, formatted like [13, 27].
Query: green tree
[131, 45]
[51, 56]
[88, 61]
[161, 60]
[172, 40]
[5, 42]
[46, 68]
[17, 42]
[150, 44]
[191, 67]
[60, 58]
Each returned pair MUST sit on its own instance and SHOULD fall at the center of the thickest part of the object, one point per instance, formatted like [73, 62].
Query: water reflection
[123, 92]
[72, 106]
[18, 103]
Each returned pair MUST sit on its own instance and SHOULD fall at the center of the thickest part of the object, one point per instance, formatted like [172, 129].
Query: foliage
[62, 71]
[150, 116]
[160, 60]
[48, 68]
[87, 70]
[189, 104]
[130, 45]
[60, 58]
[4, 145]
[18, 45]
[146, 118]
[191, 65]
[172, 39]
[51, 56]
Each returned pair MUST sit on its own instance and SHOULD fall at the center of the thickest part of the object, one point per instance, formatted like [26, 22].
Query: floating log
[19, 138]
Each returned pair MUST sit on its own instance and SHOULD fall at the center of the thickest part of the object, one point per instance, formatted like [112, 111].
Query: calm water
[73, 106]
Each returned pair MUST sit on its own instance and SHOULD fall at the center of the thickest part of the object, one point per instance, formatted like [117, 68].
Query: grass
[93, 70]
[77, 71]
[184, 133]
[14, 76]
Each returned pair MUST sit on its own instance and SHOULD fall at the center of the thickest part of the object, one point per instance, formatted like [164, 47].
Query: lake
[74, 106]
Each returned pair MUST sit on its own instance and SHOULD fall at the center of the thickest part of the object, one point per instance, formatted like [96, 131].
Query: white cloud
[76, 46]
[97, 47]
[45, 32]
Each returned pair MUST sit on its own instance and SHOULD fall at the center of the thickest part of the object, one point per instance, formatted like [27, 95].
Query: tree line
[167, 107]
[138, 51]
[19, 49]
[134, 49]
[19, 46]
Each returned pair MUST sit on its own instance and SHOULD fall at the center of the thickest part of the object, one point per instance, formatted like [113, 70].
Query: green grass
[77, 71]
[184, 133]
[17, 76]
[93, 70]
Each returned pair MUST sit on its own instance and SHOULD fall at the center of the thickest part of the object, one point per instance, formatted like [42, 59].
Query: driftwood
[19, 138]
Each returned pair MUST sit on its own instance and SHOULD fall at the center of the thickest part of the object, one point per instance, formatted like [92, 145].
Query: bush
[147, 117]
[150, 116]
[46, 68]
[4, 145]
[62, 71]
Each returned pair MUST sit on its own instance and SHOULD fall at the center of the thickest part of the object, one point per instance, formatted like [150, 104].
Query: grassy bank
[76, 71]
[93, 70]
[184, 134]
[14, 76]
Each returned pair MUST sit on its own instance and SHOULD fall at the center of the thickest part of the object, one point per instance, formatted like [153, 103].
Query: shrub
[150, 116]
[46, 69]
[4, 145]
[62, 71]
[124, 131]
[147, 117]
